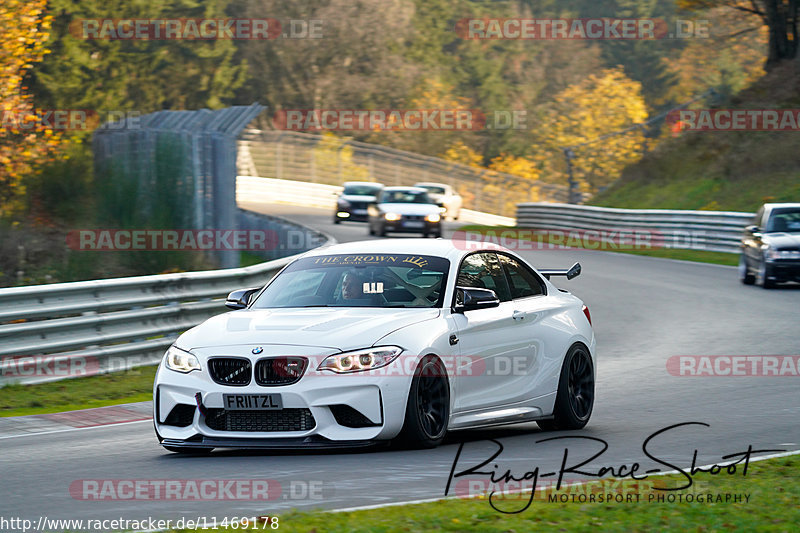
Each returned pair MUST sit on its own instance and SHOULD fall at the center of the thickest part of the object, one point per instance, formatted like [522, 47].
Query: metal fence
[172, 169]
[333, 161]
[65, 330]
[718, 231]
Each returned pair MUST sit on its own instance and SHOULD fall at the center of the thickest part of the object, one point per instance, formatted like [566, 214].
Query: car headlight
[360, 360]
[392, 216]
[181, 361]
[433, 217]
[783, 254]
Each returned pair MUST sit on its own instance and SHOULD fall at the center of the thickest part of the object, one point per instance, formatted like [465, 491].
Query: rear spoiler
[573, 272]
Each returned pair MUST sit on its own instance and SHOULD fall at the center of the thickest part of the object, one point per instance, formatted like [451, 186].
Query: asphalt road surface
[644, 311]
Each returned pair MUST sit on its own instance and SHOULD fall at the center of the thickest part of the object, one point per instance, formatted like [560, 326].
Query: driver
[352, 286]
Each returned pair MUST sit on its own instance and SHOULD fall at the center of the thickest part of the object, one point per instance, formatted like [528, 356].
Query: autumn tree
[780, 16]
[24, 138]
[730, 59]
[585, 117]
[525, 189]
[140, 75]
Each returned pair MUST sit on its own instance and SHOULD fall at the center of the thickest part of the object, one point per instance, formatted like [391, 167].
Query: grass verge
[771, 485]
[521, 240]
[135, 385]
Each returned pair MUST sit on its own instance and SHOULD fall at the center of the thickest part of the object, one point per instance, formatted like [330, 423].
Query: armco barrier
[62, 330]
[718, 231]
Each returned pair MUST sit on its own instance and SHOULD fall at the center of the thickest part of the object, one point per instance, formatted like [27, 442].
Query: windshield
[369, 280]
[433, 189]
[405, 197]
[361, 190]
[786, 220]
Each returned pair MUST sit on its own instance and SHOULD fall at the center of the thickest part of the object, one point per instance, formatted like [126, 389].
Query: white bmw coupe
[379, 340]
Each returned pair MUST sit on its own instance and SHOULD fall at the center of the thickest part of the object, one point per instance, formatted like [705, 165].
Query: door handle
[518, 315]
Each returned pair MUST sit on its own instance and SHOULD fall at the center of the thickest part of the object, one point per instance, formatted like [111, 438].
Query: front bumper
[412, 226]
[334, 410]
[782, 270]
[314, 442]
[358, 214]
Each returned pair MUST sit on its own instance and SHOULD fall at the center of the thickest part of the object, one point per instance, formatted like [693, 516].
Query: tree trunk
[781, 18]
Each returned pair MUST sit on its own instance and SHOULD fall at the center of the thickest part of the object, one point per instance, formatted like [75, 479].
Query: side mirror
[471, 298]
[240, 298]
[753, 229]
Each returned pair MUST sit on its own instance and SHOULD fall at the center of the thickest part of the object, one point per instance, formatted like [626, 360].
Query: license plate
[235, 402]
[359, 211]
[413, 224]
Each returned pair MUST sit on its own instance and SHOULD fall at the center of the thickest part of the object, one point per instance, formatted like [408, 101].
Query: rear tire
[745, 276]
[428, 407]
[575, 396]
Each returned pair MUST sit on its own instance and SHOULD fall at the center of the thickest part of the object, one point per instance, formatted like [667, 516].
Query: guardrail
[64, 330]
[718, 231]
[332, 161]
[302, 193]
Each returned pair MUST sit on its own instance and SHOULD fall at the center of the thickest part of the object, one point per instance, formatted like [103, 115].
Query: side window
[522, 281]
[483, 271]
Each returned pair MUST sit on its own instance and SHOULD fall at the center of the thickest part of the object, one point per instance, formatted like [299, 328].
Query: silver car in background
[445, 196]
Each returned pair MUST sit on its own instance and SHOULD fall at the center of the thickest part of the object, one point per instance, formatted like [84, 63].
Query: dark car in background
[405, 210]
[353, 201]
[771, 246]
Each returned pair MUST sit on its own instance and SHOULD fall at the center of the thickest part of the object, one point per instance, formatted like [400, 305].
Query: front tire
[762, 278]
[745, 276]
[575, 396]
[428, 407]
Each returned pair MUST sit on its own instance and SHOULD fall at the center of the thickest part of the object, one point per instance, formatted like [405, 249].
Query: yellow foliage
[601, 104]
[461, 153]
[732, 57]
[434, 94]
[24, 29]
[331, 154]
[519, 166]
